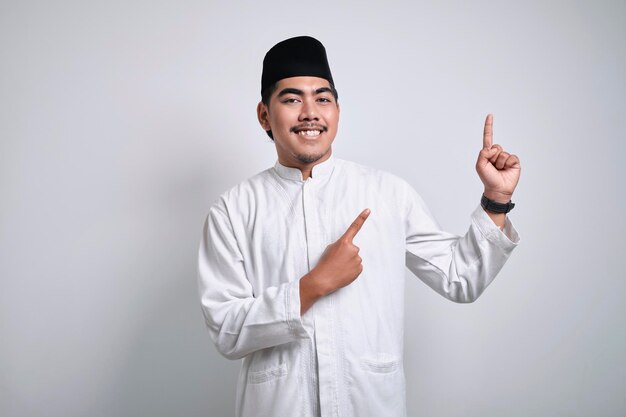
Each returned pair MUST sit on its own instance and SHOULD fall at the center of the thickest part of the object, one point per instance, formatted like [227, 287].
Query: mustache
[309, 126]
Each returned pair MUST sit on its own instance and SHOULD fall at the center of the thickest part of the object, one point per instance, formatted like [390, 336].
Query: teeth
[309, 132]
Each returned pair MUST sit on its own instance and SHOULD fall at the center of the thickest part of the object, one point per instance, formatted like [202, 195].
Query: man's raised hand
[339, 266]
[498, 170]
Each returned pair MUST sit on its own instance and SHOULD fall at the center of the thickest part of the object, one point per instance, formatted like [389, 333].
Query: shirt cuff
[294, 319]
[506, 239]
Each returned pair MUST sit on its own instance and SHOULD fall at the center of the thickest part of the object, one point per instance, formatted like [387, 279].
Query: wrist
[500, 197]
[312, 288]
[494, 207]
[315, 285]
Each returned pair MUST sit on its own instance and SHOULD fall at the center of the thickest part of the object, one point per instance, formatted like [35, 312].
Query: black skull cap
[295, 57]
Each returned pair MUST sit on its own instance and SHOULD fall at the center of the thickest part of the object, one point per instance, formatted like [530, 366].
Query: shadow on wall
[170, 366]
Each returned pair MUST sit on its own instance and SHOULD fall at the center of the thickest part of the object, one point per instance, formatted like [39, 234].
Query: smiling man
[302, 115]
[302, 267]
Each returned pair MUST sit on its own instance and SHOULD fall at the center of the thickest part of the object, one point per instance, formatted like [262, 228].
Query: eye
[324, 100]
[291, 100]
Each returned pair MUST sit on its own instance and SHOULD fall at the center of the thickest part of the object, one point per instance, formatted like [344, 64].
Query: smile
[309, 133]
[309, 130]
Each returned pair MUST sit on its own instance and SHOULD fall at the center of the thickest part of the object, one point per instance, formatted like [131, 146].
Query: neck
[305, 168]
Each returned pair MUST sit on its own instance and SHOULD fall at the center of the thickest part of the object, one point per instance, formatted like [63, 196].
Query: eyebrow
[323, 90]
[299, 92]
[286, 91]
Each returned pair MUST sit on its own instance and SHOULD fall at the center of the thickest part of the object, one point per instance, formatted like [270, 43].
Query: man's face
[303, 116]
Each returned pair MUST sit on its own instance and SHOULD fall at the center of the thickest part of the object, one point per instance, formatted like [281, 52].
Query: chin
[309, 158]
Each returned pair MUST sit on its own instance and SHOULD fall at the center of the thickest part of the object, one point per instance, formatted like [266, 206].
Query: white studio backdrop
[121, 122]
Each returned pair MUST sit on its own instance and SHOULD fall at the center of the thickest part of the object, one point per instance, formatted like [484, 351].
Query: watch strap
[496, 207]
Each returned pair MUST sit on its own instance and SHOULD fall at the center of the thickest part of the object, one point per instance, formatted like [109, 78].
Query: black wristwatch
[495, 207]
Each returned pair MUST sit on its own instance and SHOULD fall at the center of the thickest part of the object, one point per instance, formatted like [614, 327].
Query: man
[308, 296]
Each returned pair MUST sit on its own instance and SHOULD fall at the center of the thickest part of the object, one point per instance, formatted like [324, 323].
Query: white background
[121, 122]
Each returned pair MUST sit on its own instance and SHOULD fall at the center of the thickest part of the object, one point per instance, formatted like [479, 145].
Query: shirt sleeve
[457, 267]
[239, 321]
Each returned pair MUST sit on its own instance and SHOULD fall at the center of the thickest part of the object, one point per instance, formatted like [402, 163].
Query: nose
[308, 111]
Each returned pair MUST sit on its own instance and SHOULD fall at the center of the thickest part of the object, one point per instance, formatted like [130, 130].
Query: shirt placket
[323, 309]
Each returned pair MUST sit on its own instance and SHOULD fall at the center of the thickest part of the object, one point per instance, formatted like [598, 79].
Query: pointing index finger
[488, 132]
[356, 225]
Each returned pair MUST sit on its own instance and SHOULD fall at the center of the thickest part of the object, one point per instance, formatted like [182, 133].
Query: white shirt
[343, 357]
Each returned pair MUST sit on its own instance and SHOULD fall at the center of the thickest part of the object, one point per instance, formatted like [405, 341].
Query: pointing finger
[356, 225]
[488, 132]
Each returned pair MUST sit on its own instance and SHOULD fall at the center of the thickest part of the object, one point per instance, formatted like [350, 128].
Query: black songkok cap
[295, 57]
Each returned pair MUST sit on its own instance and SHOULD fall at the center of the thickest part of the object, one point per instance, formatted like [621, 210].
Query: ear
[262, 115]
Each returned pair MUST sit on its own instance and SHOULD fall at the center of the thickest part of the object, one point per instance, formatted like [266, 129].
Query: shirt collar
[323, 169]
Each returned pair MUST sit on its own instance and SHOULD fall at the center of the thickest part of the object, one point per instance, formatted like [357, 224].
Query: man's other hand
[498, 170]
[339, 266]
